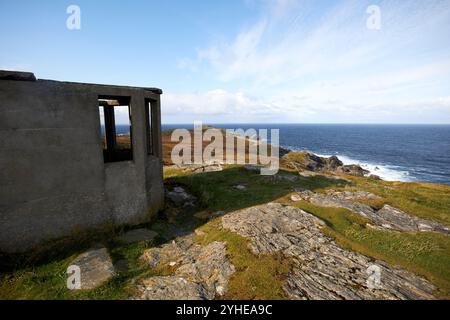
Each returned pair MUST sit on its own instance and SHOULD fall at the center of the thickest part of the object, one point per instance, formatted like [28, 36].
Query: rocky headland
[318, 229]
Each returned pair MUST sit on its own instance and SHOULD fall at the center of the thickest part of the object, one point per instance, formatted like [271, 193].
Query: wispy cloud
[306, 55]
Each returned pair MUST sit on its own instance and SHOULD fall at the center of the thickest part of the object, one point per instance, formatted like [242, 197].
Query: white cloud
[236, 107]
[303, 63]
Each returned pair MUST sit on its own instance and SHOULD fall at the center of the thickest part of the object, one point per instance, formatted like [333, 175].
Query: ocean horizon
[395, 152]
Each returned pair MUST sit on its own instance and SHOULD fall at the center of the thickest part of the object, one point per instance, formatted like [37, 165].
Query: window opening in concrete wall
[116, 129]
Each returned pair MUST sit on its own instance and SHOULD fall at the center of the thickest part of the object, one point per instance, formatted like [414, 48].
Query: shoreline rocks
[306, 161]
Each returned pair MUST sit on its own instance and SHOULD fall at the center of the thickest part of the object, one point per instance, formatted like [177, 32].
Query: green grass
[215, 190]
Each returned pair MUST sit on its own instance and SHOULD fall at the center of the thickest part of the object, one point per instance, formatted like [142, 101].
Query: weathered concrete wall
[53, 180]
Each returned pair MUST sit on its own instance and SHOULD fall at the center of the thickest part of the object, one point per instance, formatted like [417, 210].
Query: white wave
[385, 172]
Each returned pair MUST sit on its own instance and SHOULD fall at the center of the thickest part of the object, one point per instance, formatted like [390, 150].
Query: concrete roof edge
[29, 76]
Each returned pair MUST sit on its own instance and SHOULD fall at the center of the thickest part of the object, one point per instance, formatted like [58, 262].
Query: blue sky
[247, 60]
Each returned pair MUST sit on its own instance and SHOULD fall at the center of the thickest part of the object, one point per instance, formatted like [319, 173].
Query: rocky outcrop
[180, 197]
[387, 217]
[303, 160]
[309, 161]
[197, 272]
[321, 269]
[96, 267]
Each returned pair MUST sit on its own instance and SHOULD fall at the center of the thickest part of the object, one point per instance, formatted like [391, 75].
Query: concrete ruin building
[75, 157]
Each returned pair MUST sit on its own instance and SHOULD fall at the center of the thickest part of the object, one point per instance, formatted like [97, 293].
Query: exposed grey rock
[208, 168]
[170, 288]
[283, 151]
[354, 195]
[180, 197]
[218, 213]
[302, 160]
[252, 167]
[309, 161]
[283, 177]
[138, 235]
[96, 267]
[325, 200]
[322, 269]
[387, 217]
[402, 221]
[203, 270]
[199, 232]
[352, 169]
[200, 168]
[240, 187]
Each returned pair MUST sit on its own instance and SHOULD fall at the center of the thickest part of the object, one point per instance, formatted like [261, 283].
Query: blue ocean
[394, 152]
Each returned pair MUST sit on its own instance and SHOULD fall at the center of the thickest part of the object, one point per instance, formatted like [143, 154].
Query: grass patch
[215, 190]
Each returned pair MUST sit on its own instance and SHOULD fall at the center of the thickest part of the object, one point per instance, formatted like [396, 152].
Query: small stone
[252, 167]
[218, 213]
[199, 232]
[220, 290]
[424, 227]
[180, 197]
[296, 198]
[240, 187]
[205, 214]
[138, 235]
[172, 263]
